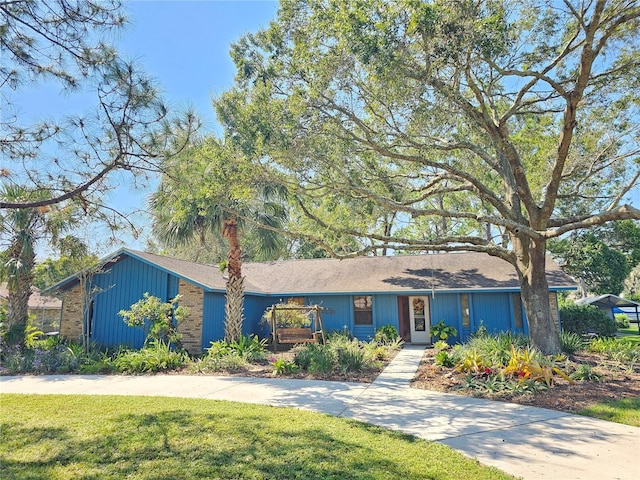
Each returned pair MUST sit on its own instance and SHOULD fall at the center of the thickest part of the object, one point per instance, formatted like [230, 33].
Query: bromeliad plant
[524, 365]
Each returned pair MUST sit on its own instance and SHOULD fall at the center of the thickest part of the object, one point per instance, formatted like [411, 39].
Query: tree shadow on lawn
[177, 443]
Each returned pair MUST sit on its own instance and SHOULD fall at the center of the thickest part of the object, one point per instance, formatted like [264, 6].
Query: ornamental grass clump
[571, 342]
[230, 362]
[496, 349]
[350, 357]
[157, 356]
[344, 354]
[625, 354]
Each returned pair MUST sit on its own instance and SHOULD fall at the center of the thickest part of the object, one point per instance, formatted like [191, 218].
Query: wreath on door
[418, 306]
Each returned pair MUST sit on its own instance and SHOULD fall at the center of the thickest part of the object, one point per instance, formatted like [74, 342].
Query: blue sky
[184, 46]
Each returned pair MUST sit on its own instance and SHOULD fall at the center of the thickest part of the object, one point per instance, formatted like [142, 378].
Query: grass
[632, 331]
[109, 437]
[625, 410]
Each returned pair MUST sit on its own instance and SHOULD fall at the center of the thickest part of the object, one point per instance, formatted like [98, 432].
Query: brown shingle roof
[205, 275]
[446, 271]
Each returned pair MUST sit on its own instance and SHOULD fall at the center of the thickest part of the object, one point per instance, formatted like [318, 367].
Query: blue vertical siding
[447, 307]
[126, 281]
[254, 308]
[493, 310]
[214, 314]
[172, 287]
[124, 284]
[213, 318]
[338, 311]
[385, 311]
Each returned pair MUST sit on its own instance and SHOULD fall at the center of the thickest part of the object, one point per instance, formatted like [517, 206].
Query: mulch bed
[613, 385]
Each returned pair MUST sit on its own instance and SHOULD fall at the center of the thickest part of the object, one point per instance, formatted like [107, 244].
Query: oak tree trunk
[531, 267]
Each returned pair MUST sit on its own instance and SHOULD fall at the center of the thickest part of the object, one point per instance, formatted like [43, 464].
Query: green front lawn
[61, 437]
[625, 410]
[632, 332]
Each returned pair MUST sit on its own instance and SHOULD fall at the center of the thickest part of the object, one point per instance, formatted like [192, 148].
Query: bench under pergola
[314, 333]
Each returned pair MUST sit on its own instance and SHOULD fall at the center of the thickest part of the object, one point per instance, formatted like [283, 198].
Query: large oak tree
[507, 122]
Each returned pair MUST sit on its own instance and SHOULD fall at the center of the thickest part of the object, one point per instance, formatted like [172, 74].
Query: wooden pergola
[291, 336]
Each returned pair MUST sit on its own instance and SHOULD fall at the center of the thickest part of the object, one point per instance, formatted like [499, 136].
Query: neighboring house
[612, 304]
[44, 311]
[361, 294]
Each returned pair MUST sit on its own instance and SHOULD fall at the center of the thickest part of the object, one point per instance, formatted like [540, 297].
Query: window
[299, 301]
[363, 309]
[517, 310]
[464, 306]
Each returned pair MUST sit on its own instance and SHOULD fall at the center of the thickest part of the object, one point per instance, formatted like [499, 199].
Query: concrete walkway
[528, 442]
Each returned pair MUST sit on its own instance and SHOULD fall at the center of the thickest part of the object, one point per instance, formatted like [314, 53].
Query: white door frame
[420, 323]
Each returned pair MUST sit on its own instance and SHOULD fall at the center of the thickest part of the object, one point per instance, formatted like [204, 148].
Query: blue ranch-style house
[361, 294]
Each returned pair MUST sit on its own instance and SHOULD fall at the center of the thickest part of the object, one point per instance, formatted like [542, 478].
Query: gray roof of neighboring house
[608, 300]
[36, 300]
[407, 273]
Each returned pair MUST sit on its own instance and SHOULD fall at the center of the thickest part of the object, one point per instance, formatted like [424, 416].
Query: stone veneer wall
[71, 318]
[191, 327]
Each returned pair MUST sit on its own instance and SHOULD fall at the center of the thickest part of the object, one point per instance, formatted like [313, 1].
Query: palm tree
[210, 188]
[21, 229]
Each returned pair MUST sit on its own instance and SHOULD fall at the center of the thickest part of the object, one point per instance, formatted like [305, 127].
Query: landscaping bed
[615, 382]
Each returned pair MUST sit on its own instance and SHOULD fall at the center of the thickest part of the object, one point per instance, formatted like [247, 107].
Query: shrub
[386, 333]
[218, 349]
[303, 354]
[229, 362]
[156, 357]
[622, 321]
[284, 367]
[51, 355]
[250, 347]
[585, 373]
[571, 342]
[159, 320]
[442, 331]
[586, 319]
[322, 362]
[315, 358]
[444, 359]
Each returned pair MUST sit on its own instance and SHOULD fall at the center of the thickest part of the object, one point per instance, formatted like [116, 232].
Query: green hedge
[584, 319]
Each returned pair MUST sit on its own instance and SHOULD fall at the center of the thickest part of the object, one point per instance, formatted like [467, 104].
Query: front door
[420, 321]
